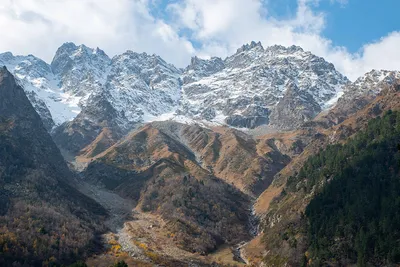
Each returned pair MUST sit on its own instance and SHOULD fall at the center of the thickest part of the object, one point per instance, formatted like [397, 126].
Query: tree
[120, 264]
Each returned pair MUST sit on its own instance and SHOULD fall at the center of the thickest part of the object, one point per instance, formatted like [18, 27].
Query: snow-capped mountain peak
[53, 104]
[252, 45]
[242, 90]
[367, 86]
[253, 81]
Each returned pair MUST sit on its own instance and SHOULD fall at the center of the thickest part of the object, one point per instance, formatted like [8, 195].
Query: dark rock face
[75, 135]
[253, 114]
[42, 110]
[35, 182]
[294, 108]
[27, 146]
[246, 122]
[247, 47]
[62, 61]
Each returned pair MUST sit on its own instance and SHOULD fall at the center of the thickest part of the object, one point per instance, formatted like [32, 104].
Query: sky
[355, 35]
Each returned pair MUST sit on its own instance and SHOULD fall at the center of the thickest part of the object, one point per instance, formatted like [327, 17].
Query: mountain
[161, 172]
[83, 91]
[246, 88]
[145, 83]
[295, 108]
[335, 158]
[190, 151]
[135, 88]
[358, 94]
[43, 217]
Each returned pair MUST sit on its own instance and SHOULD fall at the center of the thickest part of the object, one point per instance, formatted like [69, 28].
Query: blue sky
[355, 35]
[350, 23]
[360, 21]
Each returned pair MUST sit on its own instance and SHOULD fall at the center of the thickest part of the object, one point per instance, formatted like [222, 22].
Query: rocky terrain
[84, 91]
[179, 165]
[246, 88]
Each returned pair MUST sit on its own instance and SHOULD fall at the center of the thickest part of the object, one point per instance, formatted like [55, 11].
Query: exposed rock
[294, 109]
[253, 81]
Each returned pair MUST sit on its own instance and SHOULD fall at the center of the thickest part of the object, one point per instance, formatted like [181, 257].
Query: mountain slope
[188, 177]
[282, 207]
[43, 218]
[164, 178]
[358, 207]
[360, 93]
[230, 155]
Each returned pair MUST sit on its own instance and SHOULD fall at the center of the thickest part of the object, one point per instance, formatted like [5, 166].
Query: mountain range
[168, 167]
[83, 90]
[245, 87]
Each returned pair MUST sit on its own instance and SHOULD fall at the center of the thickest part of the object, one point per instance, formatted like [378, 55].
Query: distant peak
[141, 56]
[99, 51]
[135, 54]
[295, 48]
[291, 49]
[69, 46]
[252, 45]
[374, 73]
[196, 60]
[6, 55]
[209, 65]
[377, 72]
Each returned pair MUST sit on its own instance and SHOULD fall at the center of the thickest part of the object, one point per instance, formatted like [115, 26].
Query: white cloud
[39, 27]
[382, 54]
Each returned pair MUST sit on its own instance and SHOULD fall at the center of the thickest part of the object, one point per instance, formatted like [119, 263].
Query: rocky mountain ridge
[244, 89]
[143, 87]
[137, 86]
[83, 91]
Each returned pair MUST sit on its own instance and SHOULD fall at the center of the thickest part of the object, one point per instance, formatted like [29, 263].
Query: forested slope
[355, 214]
